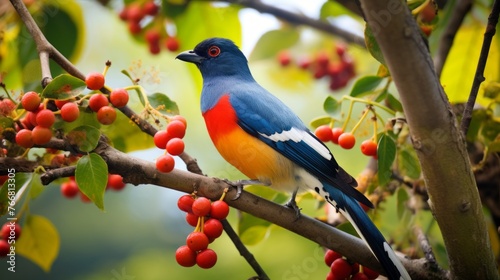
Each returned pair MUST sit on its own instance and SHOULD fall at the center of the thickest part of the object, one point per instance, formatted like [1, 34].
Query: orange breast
[248, 154]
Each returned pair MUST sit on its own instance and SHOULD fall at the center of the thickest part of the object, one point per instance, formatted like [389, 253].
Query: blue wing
[268, 119]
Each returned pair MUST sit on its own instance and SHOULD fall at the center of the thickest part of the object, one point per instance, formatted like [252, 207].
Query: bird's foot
[293, 205]
[238, 185]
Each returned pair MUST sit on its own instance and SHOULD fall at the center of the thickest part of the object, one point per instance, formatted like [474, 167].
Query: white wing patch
[296, 136]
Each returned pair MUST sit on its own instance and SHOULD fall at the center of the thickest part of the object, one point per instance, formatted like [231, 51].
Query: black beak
[190, 56]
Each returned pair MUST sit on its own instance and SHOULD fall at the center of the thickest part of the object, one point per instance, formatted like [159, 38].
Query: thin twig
[457, 15]
[299, 19]
[242, 249]
[481, 64]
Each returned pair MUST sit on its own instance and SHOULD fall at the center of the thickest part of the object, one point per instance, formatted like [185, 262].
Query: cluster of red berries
[99, 103]
[134, 13]
[37, 123]
[337, 66]
[345, 140]
[70, 189]
[170, 140]
[205, 216]
[341, 269]
[10, 232]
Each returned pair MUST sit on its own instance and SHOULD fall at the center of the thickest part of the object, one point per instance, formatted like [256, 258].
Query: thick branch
[436, 138]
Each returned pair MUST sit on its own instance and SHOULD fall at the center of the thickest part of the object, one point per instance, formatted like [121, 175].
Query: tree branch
[439, 144]
[481, 64]
[457, 15]
[298, 19]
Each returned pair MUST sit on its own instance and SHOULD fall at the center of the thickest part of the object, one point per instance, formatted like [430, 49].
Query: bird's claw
[238, 185]
[293, 205]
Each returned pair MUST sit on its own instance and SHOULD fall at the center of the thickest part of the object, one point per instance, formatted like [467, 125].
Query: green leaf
[91, 176]
[382, 96]
[6, 122]
[335, 9]
[172, 9]
[386, 153]
[10, 188]
[320, 121]
[364, 85]
[372, 45]
[409, 163]
[85, 137]
[274, 41]
[160, 100]
[39, 242]
[403, 197]
[64, 87]
[333, 107]
[36, 187]
[394, 103]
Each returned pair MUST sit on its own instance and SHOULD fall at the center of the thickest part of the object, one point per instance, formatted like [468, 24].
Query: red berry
[115, 182]
[284, 58]
[369, 148]
[185, 203]
[320, 72]
[172, 43]
[161, 138]
[152, 36]
[428, 13]
[176, 129]
[41, 135]
[4, 248]
[45, 118]
[106, 115]
[354, 268]
[134, 27]
[69, 189]
[360, 276]
[135, 12]
[84, 198]
[119, 97]
[123, 14]
[370, 273]
[347, 140]
[185, 256]
[330, 256]
[336, 132]
[97, 101]
[192, 219]
[305, 63]
[11, 230]
[213, 228]
[60, 103]
[322, 59]
[219, 210]
[334, 69]
[180, 118]
[324, 133]
[206, 258]
[6, 107]
[24, 138]
[330, 276]
[165, 163]
[341, 268]
[94, 81]
[150, 8]
[340, 49]
[201, 206]
[197, 241]
[70, 112]
[30, 101]
[175, 146]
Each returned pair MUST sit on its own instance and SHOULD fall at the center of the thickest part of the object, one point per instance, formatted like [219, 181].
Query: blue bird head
[216, 57]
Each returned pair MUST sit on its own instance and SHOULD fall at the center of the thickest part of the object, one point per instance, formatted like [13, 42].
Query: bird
[263, 138]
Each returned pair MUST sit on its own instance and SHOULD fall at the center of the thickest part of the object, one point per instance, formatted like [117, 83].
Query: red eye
[214, 51]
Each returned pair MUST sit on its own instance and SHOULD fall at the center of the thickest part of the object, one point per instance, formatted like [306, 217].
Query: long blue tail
[351, 209]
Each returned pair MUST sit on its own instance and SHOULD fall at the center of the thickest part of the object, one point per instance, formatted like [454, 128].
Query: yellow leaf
[460, 67]
[39, 241]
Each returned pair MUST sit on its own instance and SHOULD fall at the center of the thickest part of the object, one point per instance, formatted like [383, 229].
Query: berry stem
[375, 127]
[224, 194]
[147, 105]
[368, 102]
[349, 113]
[365, 113]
